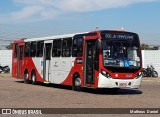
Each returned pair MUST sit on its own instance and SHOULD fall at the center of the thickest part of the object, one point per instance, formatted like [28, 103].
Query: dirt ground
[16, 94]
[5, 75]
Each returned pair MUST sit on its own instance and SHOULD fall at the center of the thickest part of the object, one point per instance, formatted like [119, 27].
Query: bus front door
[46, 61]
[91, 62]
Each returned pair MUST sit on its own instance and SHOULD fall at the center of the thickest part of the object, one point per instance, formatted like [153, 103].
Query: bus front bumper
[105, 82]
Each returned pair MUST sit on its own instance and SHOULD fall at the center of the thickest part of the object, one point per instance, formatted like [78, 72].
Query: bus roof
[64, 36]
[53, 37]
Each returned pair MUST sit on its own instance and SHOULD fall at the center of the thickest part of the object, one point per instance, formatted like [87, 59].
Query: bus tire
[26, 77]
[76, 83]
[34, 80]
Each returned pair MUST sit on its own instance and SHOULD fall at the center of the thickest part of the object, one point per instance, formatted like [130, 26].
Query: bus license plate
[122, 84]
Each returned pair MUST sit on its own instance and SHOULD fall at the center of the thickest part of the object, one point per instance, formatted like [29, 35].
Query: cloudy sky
[36, 18]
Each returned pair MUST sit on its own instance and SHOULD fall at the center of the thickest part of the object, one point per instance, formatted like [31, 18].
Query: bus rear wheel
[34, 81]
[77, 83]
[26, 77]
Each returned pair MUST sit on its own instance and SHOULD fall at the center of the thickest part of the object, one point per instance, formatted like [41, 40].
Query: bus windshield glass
[121, 50]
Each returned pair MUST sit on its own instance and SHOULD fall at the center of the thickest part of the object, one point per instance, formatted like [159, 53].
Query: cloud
[27, 12]
[37, 10]
[94, 5]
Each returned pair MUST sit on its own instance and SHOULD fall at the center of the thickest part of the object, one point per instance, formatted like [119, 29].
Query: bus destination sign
[119, 36]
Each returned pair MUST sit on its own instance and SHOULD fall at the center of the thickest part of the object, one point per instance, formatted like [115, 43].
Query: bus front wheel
[77, 83]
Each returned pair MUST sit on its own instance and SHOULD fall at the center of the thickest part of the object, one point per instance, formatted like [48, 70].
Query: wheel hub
[26, 76]
[78, 82]
[33, 78]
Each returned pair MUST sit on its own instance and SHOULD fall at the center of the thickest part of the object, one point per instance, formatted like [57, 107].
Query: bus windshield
[121, 53]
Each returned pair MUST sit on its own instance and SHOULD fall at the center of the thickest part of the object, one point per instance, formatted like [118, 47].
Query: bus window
[77, 47]
[33, 49]
[56, 51]
[16, 51]
[66, 47]
[40, 46]
[27, 49]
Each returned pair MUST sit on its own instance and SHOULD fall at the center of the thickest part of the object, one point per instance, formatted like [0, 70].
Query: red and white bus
[97, 59]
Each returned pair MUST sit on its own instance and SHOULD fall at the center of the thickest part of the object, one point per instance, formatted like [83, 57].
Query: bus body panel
[38, 63]
[76, 68]
[60, 69]
[17, 59]
[32, 64]
[118, 83]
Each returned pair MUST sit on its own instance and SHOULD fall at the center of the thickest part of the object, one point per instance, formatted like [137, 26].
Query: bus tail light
[104, 73]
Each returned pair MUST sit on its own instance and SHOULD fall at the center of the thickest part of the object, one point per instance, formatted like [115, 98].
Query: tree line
[148, 47]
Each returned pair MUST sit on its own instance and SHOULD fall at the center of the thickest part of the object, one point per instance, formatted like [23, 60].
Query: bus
[98, 59]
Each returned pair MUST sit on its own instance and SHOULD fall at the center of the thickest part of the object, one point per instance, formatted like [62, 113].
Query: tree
[145, 46]
[9, 47]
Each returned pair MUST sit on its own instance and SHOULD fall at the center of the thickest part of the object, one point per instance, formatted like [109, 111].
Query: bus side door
[47, 60]
[20, 60]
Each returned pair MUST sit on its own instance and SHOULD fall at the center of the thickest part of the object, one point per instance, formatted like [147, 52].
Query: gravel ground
[15, 94]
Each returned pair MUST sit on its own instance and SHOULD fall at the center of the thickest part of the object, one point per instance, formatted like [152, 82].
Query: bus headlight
[138, 75]
[104, 73]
